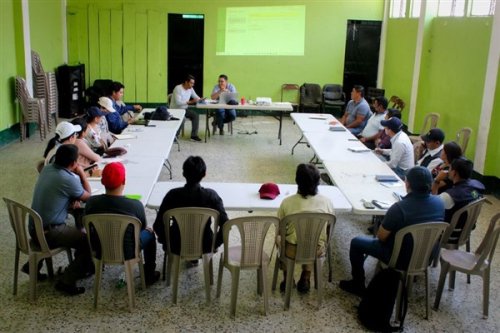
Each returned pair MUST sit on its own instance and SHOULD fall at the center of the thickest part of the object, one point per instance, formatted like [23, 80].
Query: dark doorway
[185, 49]
[361, 54]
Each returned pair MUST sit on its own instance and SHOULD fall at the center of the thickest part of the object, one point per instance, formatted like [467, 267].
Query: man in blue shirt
[357, 111]
[117, 95]
[418, 206]
[223, 115]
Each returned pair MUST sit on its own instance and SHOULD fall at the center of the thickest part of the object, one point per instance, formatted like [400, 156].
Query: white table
[273, 107]
[245, 196]
[310, 122]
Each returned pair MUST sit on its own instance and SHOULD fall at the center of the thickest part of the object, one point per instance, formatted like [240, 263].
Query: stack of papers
[124, 136]
[386, 178]
[359, 150]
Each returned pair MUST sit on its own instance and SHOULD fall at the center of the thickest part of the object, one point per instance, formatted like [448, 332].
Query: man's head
[67, 156]
[113, 176]
[392, 126]
[223, 80]
[117, 91]
[307, 178]
[357, 93]
[393, 113]
[380, 104]
[460, 169]
[188, 82]
[434, 138]
[418, 180]
[194, 169]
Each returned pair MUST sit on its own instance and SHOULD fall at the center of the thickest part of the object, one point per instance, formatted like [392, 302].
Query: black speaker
[71, 88]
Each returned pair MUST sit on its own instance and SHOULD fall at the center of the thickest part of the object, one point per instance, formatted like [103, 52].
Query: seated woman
[65, 134]
[98, 134]
[306, 199]
[86, 157]
[450, 152]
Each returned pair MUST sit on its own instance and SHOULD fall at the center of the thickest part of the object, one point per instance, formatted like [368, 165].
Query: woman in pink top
[86, 156]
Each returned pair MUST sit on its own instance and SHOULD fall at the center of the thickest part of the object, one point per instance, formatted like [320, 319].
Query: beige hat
[106, 103]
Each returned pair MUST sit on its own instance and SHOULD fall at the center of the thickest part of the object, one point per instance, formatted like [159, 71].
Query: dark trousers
[148, 247]
[361, 247]
[224, 116]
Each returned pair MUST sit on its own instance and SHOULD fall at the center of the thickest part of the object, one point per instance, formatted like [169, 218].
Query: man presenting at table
[222, 115]
[357, 111]
[183, 96]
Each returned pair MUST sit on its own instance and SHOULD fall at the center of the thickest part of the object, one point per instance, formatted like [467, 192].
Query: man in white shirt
[433, 143]
[373, 128]
[401, 154]
[183, 96]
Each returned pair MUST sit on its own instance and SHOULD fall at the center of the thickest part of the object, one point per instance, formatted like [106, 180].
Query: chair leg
[275, 274]
[259, 282]
[50, 267]
[467, 248]
[206, 273]
[97, 281]
[316, 275]
[265, 288]
[451, 282]
[330, 265]
[33, 264]
[169, 260]
[486, 292]
[219, 277]
[427, 294]
[143, 275]
[164, 270]
[70, 255]
[442, 278]
[175, 284]
[211, 270]
[130, 285]
[319, 280]
[16, 270]
[235, 279]
[399, 295]
[289, 282]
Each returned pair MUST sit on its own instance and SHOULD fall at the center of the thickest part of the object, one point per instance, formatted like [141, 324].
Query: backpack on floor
[377, 304]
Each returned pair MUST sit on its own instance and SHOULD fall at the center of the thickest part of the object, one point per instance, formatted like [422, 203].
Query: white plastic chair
[308, 228]
[33, 110]
[36, 251]
[105, 234]
[462, 138]
[250, 255]
[477, 263]
[192, 222]
[430, 121]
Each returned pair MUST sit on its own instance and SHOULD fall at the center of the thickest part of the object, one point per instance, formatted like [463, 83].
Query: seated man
[464, 189]
[113, 202]
[373, 128]
[222, 115]
[406, 212]
[401, 153]
[61, 186]
[116, 95]
[432, 143]
[306, 199]
[191, 195]
[183, 96]
[357, 111]
[384, 140]
[115, 122]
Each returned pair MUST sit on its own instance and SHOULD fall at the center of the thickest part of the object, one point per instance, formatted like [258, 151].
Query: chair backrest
[333, 92]
[253, 231]
[169, 99]
[19, 216]
[106, 233]
[36, 63]
[310, 93]
[191, 222]
[285, 87]
[462, 138]
[308, 228]
[22, 93]
[372, 93]
[462, 222]
[430, 121]
[486, 249]
[397, 103]
[425, 236]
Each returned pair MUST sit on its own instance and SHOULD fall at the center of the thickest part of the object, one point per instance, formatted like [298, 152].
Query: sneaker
[214, 127]
[68, 289]
[152, 279]
[191, 263]
[353, 287]
[304, 286]
[26, 270]
[195, 138]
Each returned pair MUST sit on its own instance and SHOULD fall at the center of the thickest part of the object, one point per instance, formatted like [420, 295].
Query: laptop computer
[226, 96]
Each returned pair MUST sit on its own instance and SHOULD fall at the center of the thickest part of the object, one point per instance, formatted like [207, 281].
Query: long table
[280, 108]
[245, 196]
[353, 172]
[147, 150]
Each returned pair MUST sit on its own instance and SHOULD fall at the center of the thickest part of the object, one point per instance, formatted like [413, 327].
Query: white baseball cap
[106, 103]
[65, 129]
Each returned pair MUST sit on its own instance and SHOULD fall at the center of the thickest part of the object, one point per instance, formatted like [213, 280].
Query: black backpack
[377, 304]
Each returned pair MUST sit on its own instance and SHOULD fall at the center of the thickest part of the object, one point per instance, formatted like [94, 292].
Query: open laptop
[226, 96]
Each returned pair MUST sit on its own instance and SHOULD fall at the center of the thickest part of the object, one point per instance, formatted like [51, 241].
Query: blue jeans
[224, 116]
[148, 247]
[361, 247]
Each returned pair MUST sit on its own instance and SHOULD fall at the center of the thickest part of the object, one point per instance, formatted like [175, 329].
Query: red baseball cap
[113, 175]
[269, 191]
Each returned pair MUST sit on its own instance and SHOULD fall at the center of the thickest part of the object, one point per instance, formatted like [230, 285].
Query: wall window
[482, 7]
[415, 8]
[451, 8]
[398, 8]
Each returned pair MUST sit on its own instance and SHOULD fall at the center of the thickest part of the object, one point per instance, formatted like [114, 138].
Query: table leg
[207, 130]
[279, 130]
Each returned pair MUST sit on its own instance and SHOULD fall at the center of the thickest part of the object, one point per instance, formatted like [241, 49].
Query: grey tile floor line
[238, 158]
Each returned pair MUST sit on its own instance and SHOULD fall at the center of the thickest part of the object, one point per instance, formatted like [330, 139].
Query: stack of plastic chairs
[33, 109]
[45, 86]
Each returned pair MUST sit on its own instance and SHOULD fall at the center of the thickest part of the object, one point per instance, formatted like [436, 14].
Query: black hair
[51, 144]
[360, 89]
[307, 178]
[381, 100]
[393, 113]
[452, 151]
[66, 155]
[194, 169]
[116, 86]
[188, 78]
[223, 76]
[83, 124]
[463, 167]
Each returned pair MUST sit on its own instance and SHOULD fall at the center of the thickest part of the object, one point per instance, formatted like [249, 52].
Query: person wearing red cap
[191, 195]
[113, 202]
[306, 199]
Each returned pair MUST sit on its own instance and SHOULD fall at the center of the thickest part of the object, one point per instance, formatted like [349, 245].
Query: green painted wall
[492, 163]
[143, 39]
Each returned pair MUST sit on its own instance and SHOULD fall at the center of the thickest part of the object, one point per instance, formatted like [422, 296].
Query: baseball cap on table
[269, 191]
[392, 123]
[106, 103]
[434, 134]
[95, 112]
[113, 175]
[66, 129]
[420, 179]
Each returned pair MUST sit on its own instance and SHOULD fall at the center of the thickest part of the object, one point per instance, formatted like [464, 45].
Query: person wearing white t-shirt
[182, 97]
[373, 128]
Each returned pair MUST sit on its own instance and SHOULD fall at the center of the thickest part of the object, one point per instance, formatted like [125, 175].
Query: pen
[352, 139]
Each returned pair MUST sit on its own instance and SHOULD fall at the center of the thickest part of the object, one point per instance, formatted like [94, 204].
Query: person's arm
[383, 234]
[194, 98]
[216, 92]
[439, 181]
[447, 200]
[85, 184]
[85, 151]
[393, 216]
[396, 155]
[178, 98]
[357, 122]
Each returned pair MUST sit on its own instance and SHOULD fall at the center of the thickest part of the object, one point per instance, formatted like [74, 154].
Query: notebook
[359, 149]
[386, 178]
[337, 129]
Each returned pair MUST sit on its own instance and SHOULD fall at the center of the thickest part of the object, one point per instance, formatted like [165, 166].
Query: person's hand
[137, 107]
[362, 139]
[442, 176]
[333, 122]
[378, 151]
[79, 171]
[150, 230]
[75, 204]
[96, 172]
[131, 120]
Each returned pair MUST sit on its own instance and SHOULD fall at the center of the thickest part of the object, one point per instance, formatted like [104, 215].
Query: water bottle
[242, 101]
[121, 281]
